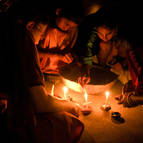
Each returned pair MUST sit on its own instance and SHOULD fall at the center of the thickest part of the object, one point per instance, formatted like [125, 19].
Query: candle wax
[86, 109]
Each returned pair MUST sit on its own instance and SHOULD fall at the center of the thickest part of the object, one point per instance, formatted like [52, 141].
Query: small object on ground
[116, 118]
[86, 109]
[106, 107]
[115, 115]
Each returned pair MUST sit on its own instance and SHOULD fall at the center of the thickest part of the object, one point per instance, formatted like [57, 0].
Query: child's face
[65, 24]
[105, 33]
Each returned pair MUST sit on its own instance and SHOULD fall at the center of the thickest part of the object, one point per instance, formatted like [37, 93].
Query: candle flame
[85, 96]
[52, 91]
[107, 94]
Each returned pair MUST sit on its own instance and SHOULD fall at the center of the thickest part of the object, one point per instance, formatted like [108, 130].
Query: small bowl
[116, 115]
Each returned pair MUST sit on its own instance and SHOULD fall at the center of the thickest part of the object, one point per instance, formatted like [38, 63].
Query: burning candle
[65, 92]
[106, 106]
[86, 99]
[52, 91]
[107, 96]
[85, 96]
[86, 108]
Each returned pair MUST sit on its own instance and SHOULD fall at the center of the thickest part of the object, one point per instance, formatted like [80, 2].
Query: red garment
[135, 71]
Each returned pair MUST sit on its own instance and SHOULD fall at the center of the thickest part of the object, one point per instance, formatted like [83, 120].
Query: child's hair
[32, 12]
[107, 21]
[37, 18]
[70, 14]
[107, 17]
[72, 10]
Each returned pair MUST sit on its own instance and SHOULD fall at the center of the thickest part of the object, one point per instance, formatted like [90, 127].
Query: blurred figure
[31, 105]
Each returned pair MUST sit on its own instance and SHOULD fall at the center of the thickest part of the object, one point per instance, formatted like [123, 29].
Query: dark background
[128, 13]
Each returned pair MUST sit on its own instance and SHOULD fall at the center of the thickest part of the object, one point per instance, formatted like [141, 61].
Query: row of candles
[86, 107]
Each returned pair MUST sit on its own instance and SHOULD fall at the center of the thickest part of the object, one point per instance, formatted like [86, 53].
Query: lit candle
[52, 91]
[85, 96]
[86, 108]
[107, 96]
[65, 92]
[106, 106]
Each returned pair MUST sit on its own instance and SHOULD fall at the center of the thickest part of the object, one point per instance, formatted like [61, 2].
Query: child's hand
[117, 67]
[57, 105]
[83, 80]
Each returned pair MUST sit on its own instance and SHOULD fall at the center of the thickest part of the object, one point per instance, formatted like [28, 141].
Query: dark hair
[72, 10]
[108, 17]
[107, 21]
[71, 14]
[30, 10]
[36, 17]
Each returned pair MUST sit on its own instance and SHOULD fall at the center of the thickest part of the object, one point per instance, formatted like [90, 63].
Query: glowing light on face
[105, 33]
